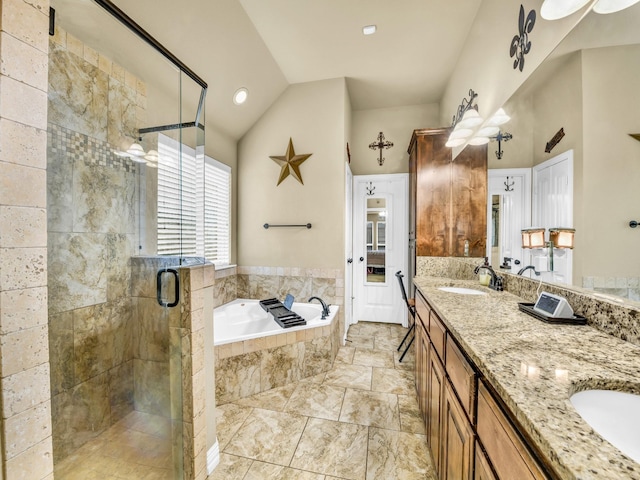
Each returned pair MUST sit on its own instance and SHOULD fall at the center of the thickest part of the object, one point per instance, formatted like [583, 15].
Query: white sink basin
[462, 291]
[614, 415]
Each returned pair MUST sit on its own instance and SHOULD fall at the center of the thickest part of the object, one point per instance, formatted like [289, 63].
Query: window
[193, 209]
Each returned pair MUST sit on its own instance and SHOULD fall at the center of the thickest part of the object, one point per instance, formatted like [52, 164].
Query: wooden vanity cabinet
[457, 439]
[469, 435]
[508, 453]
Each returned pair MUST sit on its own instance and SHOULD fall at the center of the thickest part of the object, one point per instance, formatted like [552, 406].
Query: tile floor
[138, 447]
[359, 421]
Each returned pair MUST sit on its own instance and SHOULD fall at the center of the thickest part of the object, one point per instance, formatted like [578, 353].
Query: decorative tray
[575, 320]
[281, 314]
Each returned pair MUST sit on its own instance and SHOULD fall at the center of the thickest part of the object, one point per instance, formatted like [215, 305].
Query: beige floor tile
[370, 328]
[373, 358]
[268, 436]
[345, 355]
[315, 378]
[320, 401]
[410, 417]
[408, 362]
[231, 467]
[360, 341]
[274, 399]
[371, 408]
[229, 419]
[349, 376]
[391, 380]
[381, 342]
[398, 455]
[332, 448]
[264, 471]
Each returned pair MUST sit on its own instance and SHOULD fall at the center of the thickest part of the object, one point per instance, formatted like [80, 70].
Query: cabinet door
[506, 450]
[435, 394]
[482, 470]
[457, 439]
[424, 366]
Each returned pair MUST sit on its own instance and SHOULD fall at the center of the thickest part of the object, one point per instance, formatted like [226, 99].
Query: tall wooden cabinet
[448, 199]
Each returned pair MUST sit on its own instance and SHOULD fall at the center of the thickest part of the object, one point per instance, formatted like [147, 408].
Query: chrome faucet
[524, 269]
[496, 281]
[325, 307]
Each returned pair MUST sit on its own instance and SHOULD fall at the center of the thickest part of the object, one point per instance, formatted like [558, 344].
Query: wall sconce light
[559, 237]
[380, 144]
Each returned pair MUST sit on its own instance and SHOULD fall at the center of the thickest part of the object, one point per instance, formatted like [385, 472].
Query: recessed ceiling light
[240, 96]
[369, 29]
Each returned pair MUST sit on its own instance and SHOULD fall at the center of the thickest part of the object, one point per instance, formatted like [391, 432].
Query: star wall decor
[290, 163]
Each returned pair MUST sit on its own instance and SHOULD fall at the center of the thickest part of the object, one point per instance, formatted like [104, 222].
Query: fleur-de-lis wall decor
[521, 45]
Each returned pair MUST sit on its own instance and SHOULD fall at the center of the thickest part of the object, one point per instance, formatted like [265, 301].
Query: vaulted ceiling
[267, 45]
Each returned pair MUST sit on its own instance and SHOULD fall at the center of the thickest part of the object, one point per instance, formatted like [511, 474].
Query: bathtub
[244, 319]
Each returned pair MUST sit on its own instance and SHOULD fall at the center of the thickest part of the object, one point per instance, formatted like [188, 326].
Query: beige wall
[397, 124]
[24, 382]
[313, 115]
[611, 174]
[485, 65]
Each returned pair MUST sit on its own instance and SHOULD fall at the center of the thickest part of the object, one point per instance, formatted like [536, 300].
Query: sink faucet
[524, 269]
[325, 307]
[496, 281]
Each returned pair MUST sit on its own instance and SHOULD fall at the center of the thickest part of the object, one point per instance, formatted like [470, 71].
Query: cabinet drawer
[422, 309]
[507, 452]
[482, 470]
[437, 333]
[462, 375]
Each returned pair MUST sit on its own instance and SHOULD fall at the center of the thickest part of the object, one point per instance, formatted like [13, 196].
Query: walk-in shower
[114, 320]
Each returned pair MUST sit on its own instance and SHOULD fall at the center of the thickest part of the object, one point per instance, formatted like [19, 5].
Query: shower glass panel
[116, 386]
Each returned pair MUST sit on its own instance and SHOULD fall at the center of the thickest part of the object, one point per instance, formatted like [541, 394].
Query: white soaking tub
[244, 319]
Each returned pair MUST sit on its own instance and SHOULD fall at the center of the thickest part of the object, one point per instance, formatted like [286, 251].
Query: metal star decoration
[290, 163]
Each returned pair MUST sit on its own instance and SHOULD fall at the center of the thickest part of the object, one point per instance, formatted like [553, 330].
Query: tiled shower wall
[24, 377]
[95, 107]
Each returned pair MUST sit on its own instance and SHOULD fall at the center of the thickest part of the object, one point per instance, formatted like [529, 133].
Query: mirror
[376, 239]
[588, 88]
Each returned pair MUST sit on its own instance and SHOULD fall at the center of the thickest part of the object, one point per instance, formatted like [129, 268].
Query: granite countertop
[535, 367]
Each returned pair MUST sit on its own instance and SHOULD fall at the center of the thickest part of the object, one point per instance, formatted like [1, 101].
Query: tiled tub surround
[93, 107]
[247, 368]
[617, 318]
[535, 367]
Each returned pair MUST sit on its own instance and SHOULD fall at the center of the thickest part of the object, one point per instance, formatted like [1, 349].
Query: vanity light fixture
[488, 131]
[559, 237]
[556, 9]
[498, 118]
[470, 119]
[240, 96]
[369, 29]
[479, 140]
[454, 142]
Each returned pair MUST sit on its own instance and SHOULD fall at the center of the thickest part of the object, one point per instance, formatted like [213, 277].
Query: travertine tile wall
[246, 368]
[24, 379]
[94, 108]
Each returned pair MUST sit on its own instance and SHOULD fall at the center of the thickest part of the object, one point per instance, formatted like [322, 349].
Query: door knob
[362, 259]
[349, 260]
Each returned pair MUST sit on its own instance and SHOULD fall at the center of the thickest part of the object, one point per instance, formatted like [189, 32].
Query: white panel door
[380, 246]
[553, 207]
[511, 187]
[348, 270]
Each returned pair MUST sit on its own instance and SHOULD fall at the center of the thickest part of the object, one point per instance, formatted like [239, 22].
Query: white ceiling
[267, 45]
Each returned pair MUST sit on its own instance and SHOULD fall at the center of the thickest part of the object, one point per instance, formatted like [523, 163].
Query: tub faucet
[524, 269]
[325, 307]
[496, 281]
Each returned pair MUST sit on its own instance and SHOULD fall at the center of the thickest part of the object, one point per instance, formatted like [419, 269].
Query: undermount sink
[462, 291]
[614, 415]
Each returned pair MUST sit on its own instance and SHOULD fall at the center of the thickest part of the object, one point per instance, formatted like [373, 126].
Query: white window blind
[217, 211]
[194, 203]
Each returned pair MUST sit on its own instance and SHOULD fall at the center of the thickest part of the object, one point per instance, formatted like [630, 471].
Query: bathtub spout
[325, 307]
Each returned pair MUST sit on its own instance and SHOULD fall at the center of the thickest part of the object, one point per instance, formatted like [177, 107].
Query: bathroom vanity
[494, 384]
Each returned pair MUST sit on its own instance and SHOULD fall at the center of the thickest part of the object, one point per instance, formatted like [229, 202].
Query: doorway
[380, 246]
